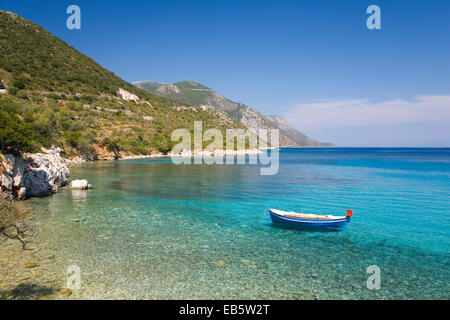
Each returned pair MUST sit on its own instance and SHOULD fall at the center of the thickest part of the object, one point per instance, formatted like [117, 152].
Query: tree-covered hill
[58, 96]
[32, 58]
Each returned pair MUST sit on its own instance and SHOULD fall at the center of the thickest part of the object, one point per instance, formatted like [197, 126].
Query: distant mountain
[199, 95]
[55, 95]
[295, 134]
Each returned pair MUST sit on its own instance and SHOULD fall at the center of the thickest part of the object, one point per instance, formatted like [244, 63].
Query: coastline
[159, 155]
[30, 273]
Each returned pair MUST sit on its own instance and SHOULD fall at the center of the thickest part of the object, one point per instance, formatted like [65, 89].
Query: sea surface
[155, 230]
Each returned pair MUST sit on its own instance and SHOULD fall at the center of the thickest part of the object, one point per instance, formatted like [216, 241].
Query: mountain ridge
[200, 95]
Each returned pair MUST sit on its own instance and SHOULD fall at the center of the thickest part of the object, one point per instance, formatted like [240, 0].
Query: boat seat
[308, 216]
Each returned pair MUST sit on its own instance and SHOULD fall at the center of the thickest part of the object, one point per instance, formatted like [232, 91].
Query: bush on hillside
[15, 134]
[162, 143]
[113, 145]
[13, 90]
[19, 84]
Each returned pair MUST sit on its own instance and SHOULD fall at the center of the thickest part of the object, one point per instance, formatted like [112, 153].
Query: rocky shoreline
[28, 175]
[108, 156]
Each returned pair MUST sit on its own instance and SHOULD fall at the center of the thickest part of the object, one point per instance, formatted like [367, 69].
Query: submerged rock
[218, 264]
[65, 291]
[31, 264]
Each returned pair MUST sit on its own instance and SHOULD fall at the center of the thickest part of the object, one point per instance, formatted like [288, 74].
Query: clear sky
[314, 62]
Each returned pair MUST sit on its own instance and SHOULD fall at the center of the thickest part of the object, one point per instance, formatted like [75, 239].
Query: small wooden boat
[310, 220]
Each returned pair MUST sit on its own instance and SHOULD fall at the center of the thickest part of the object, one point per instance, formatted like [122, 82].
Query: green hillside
[32, 58]
[58, 96]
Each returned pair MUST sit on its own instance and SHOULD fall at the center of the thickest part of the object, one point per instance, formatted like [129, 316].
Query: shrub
[85, 146]
[113, 145]
[15, 134]
[53, 96]
[22, 94]
[13, 90]
[74, 106]
[72, 138]
[162, 143]
[19, 84]
[140, 149]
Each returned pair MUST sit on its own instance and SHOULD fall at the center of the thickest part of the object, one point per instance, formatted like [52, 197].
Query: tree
[113, 145]
[162, 143]
[11, 221]
[85, 145]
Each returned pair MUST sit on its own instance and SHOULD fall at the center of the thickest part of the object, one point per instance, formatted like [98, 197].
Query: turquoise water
[154, 230]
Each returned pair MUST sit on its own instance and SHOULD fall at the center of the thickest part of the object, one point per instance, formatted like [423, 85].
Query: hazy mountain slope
[56, 95]
[199, 95]
[148, 85]
[294, 133]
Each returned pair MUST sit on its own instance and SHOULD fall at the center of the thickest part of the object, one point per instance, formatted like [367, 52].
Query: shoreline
[196, 153]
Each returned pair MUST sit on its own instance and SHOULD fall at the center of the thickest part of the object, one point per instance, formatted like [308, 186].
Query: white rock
[79, 184]
[33, 175]
[127, 96]
[44, 173]
[8, 163]
[18, 172]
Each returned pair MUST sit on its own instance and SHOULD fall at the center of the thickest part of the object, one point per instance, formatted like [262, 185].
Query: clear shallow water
[155, 230]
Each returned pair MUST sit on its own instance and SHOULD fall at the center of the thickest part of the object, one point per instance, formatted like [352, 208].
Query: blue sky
[282, 57]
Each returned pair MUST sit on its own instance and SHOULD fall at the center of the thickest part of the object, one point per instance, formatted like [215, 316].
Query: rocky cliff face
[32, 175]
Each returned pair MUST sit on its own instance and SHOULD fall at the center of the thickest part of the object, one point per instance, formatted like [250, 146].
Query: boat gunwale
[292, 218]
